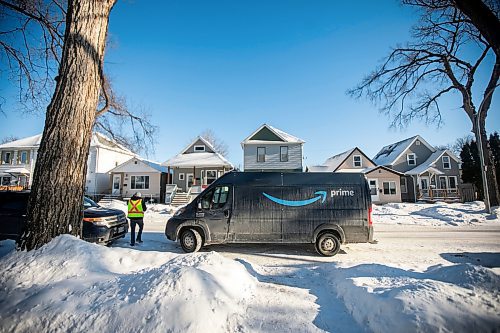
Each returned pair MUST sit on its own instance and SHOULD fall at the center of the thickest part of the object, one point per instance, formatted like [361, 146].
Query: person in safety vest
[136, 209]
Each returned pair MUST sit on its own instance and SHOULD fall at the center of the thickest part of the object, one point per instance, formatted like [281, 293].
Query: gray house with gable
[271, 149]
[433, 173]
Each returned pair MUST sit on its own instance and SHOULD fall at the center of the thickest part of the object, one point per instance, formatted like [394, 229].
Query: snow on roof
[32, 141]
[428, 165]
[318, 168]
[281, 134]
[101, 140]
[205, 141]
[390, 153]
[335, 161]
[155, 165]
[98, 140]
[198, 160]
[287, 137]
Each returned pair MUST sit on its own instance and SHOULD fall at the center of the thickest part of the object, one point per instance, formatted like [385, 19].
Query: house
[18, 160]
[433, 173]
[197, 166]
[271, 149]
[139, 175]
[385, 183]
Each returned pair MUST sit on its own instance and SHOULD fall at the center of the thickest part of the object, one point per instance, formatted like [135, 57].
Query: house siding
[349, 162]
[384, 176]
[422, 153]
[272, 162]
[198, 143]
[100, 162]
[197, 174]
[154, 190]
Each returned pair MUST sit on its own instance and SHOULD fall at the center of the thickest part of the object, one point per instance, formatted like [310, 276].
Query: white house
[139, 175]
[18, 160]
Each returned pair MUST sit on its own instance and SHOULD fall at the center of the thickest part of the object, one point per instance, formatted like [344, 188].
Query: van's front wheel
[191, 240]
[328, 244]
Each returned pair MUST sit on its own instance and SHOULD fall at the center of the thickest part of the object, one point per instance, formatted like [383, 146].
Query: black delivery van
[327, 209]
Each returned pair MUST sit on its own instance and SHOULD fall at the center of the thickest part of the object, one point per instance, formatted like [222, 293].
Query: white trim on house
[203, 148]
[133, 181]
[411, 157]
[360, 161]
[181, 176]
[288, 138]
[448, 162]
[389, 187]
[456, 182]
[258, 155]
[403, 150]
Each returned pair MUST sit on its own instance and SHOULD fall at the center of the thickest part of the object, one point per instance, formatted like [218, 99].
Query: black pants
[140, 222]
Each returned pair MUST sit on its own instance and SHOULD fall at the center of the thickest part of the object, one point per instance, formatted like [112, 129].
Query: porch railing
[438, 194]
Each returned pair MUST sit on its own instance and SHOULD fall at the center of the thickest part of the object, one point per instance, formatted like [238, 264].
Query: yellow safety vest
[135, 208]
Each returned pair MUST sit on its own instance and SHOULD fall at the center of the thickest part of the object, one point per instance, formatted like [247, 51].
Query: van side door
[214, 210]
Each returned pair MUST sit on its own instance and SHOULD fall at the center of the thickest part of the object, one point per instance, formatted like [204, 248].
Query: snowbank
[459, 298]
[70, 285]
[437, 214]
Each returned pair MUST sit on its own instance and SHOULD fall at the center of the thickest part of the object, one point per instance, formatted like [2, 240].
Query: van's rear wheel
[191, 240]
[328, 244]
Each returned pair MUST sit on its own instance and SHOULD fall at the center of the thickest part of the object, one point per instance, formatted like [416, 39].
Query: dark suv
[100, 225]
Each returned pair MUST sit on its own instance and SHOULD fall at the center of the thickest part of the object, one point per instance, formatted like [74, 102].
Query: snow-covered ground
[435, 268]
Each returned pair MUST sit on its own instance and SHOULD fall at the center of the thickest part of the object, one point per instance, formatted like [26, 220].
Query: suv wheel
[191, 240]
[328, 244]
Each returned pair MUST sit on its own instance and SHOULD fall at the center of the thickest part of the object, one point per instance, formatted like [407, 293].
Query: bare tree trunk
[491, 180]
[55, 204]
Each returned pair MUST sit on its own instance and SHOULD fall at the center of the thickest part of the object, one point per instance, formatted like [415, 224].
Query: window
[23, 157]
[389, 188]
[139, 182]
[284, 153]
[417, 142]
[6, 180]
[181, 176]
[442, 182]
[452, 182]
[261, 154]
[411, 159]
[356, 159]
[7, 157]
[404, 187]
[215, 199]
[446, 162]
[199, 148]
[373, 187]
[211, 176]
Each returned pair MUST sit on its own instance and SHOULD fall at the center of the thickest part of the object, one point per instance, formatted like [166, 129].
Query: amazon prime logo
[341, 193]
[321, 195]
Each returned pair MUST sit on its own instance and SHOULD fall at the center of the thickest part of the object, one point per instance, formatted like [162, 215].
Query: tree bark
[55, 204]
[484, 19]
[493, 193]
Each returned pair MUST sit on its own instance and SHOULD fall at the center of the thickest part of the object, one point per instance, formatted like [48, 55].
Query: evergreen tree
[471, 166]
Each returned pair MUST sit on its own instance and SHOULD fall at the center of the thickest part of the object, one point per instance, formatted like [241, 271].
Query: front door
[189, 181]
[117, 185]
[374, 189]
[214, 209]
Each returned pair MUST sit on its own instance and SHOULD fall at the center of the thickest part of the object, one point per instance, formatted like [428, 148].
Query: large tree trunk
[55, 204]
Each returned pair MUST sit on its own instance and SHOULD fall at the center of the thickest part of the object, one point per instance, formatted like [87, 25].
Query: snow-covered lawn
[435, 268]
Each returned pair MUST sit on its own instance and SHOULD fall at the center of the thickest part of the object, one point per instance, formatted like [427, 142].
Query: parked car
[326, 209]
[100, 225]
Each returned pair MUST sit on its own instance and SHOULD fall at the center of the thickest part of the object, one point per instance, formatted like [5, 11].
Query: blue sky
[230, 66]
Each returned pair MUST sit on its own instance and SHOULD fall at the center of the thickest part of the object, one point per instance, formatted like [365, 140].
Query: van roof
[291, 178]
